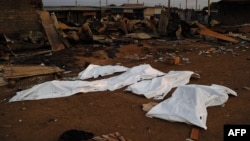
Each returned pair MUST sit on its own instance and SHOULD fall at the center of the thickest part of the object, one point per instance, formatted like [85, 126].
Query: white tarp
[189, 102]
[94, 71]
[159, 87]
[54, 89]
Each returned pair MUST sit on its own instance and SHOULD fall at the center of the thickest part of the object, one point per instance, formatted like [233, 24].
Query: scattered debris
[3, 82]
[247, 88]
[194, 135]
[163, 22]
[85, 32]
[141, 36]
[116, 136]
[5, 126]
[239, 36]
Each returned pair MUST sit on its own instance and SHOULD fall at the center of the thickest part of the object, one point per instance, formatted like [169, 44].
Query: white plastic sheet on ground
[189, 102]
[55, 89]
[94, 71]
[159, 87]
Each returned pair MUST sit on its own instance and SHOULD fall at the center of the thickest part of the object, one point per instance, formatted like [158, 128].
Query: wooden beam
[51, 32]
[203, 30]
[12, 72]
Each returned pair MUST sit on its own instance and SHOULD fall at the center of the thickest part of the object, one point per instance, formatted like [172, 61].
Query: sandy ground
[111, 111]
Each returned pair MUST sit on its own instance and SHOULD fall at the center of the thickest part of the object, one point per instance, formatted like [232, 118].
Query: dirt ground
[110, 111]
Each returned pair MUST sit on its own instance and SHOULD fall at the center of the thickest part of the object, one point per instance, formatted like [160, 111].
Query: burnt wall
[19, 16]
[234, 13]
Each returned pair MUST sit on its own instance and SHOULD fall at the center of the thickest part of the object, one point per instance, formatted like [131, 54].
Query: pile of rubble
[113, 31]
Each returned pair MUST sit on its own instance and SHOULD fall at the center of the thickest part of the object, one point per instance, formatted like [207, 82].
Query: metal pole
[196, 5]
[186, 4]
[208, 7]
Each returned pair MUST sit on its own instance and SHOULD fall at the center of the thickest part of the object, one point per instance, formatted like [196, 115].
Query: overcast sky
[174, 3]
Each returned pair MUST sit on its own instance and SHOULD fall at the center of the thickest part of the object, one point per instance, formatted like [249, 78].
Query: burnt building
[74, 14]
[131, 11]
[19, 16]
[234, 12]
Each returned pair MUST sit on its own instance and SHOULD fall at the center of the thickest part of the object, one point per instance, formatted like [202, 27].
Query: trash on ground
[116, 136]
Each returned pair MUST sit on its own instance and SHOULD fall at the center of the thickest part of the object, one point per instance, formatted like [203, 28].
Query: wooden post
[169, 4]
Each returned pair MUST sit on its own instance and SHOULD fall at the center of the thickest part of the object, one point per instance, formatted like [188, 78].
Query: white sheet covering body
[159, 87]
[55, 89]
[94, 71]
[189, 102]
[133, 75]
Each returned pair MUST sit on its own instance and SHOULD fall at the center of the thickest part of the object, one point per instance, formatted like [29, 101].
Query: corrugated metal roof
[234, 0]
[71, 8]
